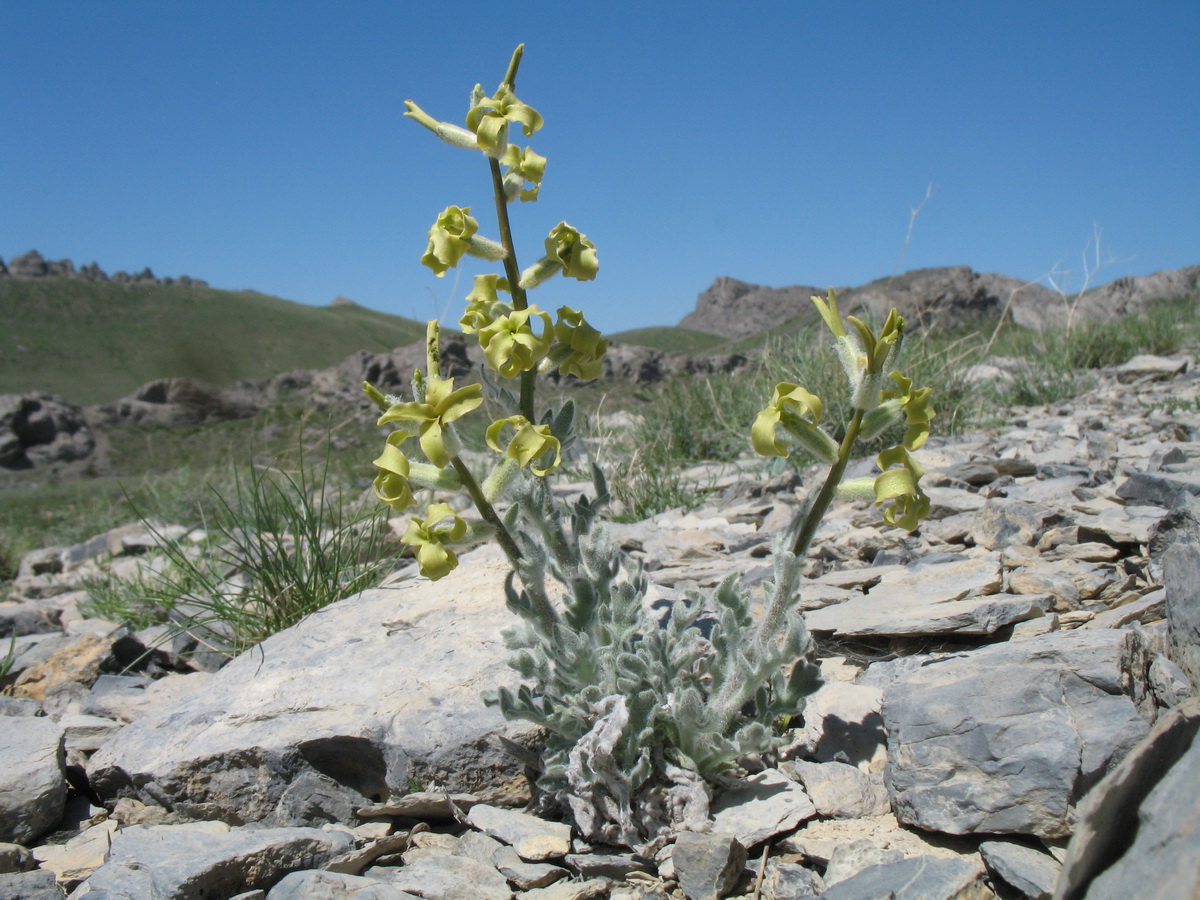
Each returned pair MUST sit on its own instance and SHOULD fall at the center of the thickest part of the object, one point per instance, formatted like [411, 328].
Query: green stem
[486, 510]
[735, 693]
[513, 272]
[815, 511]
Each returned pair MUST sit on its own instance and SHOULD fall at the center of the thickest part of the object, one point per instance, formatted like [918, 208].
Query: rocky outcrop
[33, 265]
[953, 749]
[39, 429]
[179, 401]
[736, 309]
[951, 296]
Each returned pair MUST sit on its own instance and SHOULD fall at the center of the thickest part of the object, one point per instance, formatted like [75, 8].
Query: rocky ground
[1008, 704]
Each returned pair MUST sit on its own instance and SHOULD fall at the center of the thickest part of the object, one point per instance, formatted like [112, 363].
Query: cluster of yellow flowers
[865, 357]
[515, 337]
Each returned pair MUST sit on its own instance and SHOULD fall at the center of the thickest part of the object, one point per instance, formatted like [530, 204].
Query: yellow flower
[523, 165]
[578, 348]
[489, 119]
[917, 411]
[902, 486]
[442, 406]
[449, 239]
[391, 484]
[798, 411]
[484, 305]
[529, 443]
[429, 536]
[509, 342]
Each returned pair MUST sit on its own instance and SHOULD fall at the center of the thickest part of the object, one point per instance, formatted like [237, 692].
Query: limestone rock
[169, 861]
[840, 791]
[368, 691]
[1181, 575]
[33, 783]
[760, 807]
[534, 839]
[1139, 827]
[450, 878]
[313, 884]
[1007, 738]
[1028, 871]
[707, 866]
[36, 885]
[38, 429]
[922, 878]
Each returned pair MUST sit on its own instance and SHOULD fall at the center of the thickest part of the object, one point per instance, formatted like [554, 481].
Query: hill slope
[96, 341]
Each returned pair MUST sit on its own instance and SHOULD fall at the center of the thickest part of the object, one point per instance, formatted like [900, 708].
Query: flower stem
[511, 270]
[486, 510]
[813, 513]
[510, 76]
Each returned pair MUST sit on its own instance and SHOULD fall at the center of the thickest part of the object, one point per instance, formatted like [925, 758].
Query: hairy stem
[814, 513]
[486, 510]
[512, 271]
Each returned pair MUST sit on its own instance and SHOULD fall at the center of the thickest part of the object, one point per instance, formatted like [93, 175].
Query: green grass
[671, 340]
[297, 542]
[97, 341]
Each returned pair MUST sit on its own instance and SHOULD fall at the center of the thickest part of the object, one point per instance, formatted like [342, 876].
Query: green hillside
[96, 341]
[671, 339]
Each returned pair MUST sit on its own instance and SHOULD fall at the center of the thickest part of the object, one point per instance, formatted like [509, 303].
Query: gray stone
[707, 866]
[451, 878]
[842, 722]
[1139, 826]
[1031, 872]
[314, 798]
[525, 876]
[1170, 684]
[570, 890]
[477, 846]
[79, 857]
[919, 878]
[1155, 368]
[1160, 488]
[426, 805]
[760, 807]
[38, 429]
[33, 785]
[1007, 738]
[15, 858]
[314, 884]
[86, 734]
[617, 866]
[169, 860]
[1123, 525]
[840, 791]
[317, 698]
[933, 595]
[533, 838]
[1181, 576]
[790, 881]
[849, 859]
[1002, 523]
[36, 885]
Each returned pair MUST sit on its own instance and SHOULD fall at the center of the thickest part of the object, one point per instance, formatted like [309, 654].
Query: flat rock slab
[763, 806]
[957, 596]
[921, 878]
[1140, 826]
[366, 692]
[184, 861]
[533, 838]
[1007, 738]
[33, 785]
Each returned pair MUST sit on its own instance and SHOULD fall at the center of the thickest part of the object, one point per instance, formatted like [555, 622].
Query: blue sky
[261, 144]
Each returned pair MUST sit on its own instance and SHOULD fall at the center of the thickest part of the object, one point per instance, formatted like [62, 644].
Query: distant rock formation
[949, 296]
[33, 265]
[736, 309]
[39, 429]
